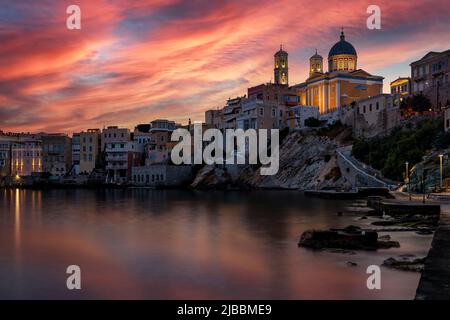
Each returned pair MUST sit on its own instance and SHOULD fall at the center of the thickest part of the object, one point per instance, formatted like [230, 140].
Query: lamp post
[407, 179]
[440, 170]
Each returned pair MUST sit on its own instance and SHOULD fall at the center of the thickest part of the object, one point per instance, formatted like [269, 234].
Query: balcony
[115, 157]
[251, 104]
[117, 166]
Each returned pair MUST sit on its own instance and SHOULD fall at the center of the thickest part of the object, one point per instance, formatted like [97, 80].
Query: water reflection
[182, 244]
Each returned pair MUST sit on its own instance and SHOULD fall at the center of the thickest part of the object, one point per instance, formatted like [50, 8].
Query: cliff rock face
[307, 161]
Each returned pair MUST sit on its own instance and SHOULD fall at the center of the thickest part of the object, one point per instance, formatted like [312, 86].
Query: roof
[342, 47]
[281, 51]
[317, 56]
[430, 55]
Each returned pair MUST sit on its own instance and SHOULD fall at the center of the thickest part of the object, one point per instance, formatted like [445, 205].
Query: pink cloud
[134, 61]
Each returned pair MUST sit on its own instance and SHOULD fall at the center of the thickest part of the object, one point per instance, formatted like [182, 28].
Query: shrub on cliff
[408, 144]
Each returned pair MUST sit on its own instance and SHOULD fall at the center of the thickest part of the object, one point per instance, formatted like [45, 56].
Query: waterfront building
[266, 107]
[5, 154]
[401, 86]
[26, 155]
[213, 118]
[57, 153]
[160, 146]
[120, 157]
[229, 113]
[162, 175]
[76, 142]
[298, 114]
[430, 77]
[114, 134]
[119, 151]
[141, 137]
[375, 116]
[343, 84]
[447, 119]
[89, 150]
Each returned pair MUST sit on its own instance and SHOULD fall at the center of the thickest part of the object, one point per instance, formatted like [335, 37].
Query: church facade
[342, 85]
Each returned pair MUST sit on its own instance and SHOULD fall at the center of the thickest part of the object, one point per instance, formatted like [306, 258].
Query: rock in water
[351, 238]
[406, 263]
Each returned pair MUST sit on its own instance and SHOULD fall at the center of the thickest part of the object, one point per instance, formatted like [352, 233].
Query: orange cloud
[134, 61]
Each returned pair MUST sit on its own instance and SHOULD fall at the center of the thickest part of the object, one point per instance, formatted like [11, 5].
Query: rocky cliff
[307, 161]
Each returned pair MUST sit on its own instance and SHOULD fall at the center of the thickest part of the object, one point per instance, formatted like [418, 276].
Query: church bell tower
[281, 73]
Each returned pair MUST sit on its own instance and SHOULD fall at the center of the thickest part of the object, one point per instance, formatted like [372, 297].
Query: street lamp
[407, 179]
[440, 170]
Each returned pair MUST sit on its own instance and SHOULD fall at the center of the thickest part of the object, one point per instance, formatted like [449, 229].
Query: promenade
[434, 283]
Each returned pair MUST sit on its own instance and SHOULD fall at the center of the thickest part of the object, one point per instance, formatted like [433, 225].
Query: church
[343, 84]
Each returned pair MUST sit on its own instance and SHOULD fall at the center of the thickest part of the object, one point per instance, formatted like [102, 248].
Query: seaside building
[120, 157]
[401, 86]
[76, 143]
[56, 153]
[141, 137]
[430, 77]
[447, 119]
[266, 107]
[370, 117]
[5, 155]
[298, 114]
[343, 84]
[114, 134]
[160, 146]
[229, 113]
[89, 150]
[119, 151]
[213, 118]
[26, 155]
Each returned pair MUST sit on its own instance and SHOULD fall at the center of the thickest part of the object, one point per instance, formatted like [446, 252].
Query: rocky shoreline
[365, 236]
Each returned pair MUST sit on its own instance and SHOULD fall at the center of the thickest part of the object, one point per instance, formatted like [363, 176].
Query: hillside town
[344, 94]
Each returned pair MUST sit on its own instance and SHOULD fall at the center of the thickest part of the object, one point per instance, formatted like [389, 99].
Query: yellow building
[342, 85]
[89, 149]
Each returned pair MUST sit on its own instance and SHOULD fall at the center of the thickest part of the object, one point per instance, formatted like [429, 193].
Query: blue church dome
[342, 47]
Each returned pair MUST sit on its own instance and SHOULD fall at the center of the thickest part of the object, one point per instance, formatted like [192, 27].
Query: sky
[134, 61]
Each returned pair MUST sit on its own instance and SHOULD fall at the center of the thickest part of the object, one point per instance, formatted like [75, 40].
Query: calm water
[149, 244]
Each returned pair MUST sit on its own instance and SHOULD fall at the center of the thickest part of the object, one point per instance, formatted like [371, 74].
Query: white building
[299, 114]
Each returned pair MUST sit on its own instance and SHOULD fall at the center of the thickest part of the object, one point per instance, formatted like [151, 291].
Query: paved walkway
[434, 283]
[365, 170]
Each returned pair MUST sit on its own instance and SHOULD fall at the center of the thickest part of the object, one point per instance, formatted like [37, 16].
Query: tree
[420, 103]
[312, 122]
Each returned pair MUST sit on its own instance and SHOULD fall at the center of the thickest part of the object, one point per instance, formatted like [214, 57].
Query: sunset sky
[138, 60]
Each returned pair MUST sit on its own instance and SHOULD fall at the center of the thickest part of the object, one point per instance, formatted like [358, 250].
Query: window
[261, 112]
[274, 112]
[364, 109]
[370, 107]
[378, 105]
